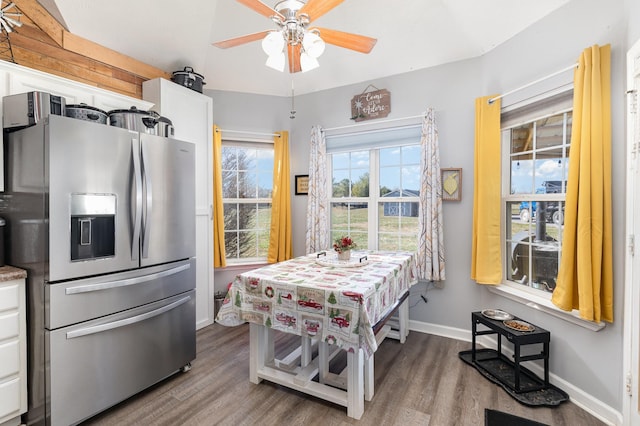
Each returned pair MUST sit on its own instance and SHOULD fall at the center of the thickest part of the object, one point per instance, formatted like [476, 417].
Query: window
[536, 153]
[247, 183]
[377, 186]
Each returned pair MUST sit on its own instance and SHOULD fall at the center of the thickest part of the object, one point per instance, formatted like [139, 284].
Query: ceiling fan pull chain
[293, 110]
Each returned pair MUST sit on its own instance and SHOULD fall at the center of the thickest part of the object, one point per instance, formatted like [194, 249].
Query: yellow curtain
[219, 255]
[280, 239]
[486, 249]
[585, 276]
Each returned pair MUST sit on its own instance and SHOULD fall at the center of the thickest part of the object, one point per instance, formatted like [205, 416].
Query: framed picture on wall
[302, 184]
[451, 184]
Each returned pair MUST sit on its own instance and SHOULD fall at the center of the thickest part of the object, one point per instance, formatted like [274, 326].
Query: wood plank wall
[43, 44]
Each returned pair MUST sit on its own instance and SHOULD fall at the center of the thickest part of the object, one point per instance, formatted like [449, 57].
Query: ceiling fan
[303, 45]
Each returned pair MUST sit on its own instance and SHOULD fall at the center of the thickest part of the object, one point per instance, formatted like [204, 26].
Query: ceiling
[414, 34]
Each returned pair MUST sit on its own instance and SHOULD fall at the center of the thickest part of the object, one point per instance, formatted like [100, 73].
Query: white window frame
[374, 198]
[530, 297]
[250, 143]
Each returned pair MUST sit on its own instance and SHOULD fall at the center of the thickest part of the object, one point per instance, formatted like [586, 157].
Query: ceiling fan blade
[293, 51]
[6, 27]
[233, 42]
[261, 8]
[12, 22]
[9, 7]
[317, 8]
[351, 41]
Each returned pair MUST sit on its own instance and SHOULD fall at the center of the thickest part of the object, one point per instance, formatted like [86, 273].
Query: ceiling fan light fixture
[313, 44]
[276, 61]
[308, 62]
[273, 43]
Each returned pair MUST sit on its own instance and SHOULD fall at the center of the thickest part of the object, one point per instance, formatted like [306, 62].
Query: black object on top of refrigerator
[103, 221]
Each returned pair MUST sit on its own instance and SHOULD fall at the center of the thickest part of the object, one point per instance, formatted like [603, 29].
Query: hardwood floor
[422, 382]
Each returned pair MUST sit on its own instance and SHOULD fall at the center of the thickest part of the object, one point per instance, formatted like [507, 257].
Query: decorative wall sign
[370, 105]
[451, 184]
[302, 184]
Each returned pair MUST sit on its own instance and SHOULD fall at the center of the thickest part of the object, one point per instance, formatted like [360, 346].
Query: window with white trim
[535, 144]
[375, 192]
[247, 184]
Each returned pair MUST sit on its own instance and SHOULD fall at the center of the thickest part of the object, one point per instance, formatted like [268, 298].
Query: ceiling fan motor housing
[293, 23]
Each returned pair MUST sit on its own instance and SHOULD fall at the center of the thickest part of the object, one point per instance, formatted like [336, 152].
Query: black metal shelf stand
[500, 366]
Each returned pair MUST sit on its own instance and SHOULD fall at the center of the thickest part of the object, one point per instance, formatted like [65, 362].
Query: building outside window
[375, 196]
[535, 146]
[247, 184]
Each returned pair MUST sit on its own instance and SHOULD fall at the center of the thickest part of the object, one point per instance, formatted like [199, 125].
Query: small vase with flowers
[343, 246]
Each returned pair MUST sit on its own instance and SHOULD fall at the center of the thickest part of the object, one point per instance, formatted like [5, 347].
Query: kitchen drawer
[75, 301]
[9, 359]
[9, 325]
[9, 296]
[9, 399]
[104, 361]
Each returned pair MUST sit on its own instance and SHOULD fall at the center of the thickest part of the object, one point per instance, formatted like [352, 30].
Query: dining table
[333, 305]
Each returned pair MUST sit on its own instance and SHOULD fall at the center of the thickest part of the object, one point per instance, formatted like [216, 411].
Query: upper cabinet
[18, 79]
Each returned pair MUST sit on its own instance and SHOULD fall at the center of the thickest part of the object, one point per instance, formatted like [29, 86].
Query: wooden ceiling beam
[73, 43]
[108, 56]
[42, 18]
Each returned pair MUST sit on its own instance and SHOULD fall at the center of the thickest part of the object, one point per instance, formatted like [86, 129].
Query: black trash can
[218, 298]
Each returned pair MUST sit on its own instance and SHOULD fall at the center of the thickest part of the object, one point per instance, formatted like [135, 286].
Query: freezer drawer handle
[127, 321]
[122, 283]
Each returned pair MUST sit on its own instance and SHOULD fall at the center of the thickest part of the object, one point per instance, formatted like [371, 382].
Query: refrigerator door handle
[137, 216]
[126, 321]
[146, 224]
[87, 288]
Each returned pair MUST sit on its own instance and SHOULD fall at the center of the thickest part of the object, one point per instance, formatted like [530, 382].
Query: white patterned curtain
[317, 200]
[431, 239]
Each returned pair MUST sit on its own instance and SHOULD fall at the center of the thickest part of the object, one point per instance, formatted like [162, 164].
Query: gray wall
[589, 360]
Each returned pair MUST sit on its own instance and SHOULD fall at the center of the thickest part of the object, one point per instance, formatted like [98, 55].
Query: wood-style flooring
[422, 382]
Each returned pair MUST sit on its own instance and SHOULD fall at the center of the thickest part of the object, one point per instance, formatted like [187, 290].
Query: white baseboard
[578, 396]
[202, 323]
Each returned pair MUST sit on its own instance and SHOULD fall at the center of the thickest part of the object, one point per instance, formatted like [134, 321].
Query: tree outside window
[247, 183]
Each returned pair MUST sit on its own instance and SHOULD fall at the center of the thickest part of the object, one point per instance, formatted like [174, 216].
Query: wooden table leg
[369, 385]
[403, 317]
[305, 355]
[355, 384]
[323, 361]
[261, 350]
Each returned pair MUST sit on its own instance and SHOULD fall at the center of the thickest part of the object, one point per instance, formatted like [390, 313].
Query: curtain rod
[492, 100]
[381, 121]
[248, 133]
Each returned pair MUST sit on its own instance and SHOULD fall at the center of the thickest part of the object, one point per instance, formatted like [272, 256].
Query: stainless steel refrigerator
[103, 221]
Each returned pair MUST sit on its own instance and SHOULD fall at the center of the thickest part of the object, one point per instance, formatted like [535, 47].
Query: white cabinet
[192, 116]
[13, 346]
